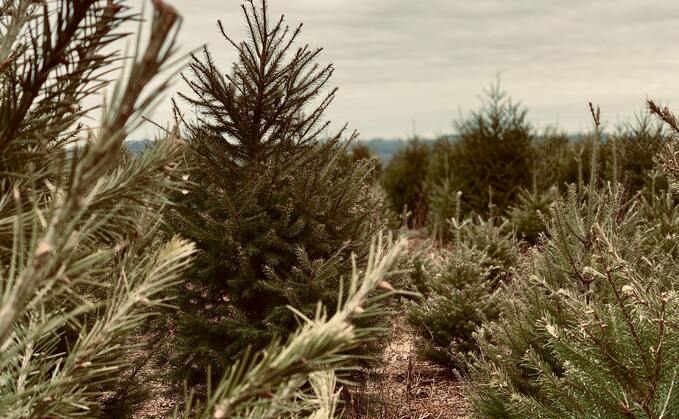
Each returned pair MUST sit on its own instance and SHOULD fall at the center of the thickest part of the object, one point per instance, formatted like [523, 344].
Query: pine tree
[589, 326]
[297, 379]
[637, 144]
[360, 151]
[460, 288]
[459, 296]
[494, 238]
[526, 215]
[555, 163]
[80, 266]
[444, 205]
[275, 213]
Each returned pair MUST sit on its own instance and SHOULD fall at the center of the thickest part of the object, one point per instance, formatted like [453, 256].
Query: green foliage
[358, 151]
[526, 215]
[495, 239]
[492, 157]
[403, 181]
[637, 144]
[444, 205]
[557, 160]
[80, 266]
[458, 298]
[460, 289]
[275, 211]
[275, 382]
[588, 327]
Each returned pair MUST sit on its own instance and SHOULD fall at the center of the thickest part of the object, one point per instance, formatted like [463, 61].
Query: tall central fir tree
[275, 211]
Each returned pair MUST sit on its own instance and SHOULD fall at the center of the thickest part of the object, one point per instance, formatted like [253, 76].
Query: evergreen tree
[458, 297]
[80, 266]
[360, 151]
[526, 215]
[556, 160]
[495, 238]
[297, 379]
[404, 181]
[492, 157]
[637, 144]
[444, 205]
[589, 329]
[274, 213]
[460, 288]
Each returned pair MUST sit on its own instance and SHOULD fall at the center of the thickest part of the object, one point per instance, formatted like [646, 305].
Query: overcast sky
[404, 65]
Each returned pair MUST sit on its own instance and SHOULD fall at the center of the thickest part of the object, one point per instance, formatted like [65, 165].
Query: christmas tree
[276, 210]
[492, 157]
[404, 182]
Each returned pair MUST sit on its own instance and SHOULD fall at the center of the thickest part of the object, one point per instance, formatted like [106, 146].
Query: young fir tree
[637, 144]
[458, 296]
[590, 327]
[526, 215]
[555, 160]
[80, 269]
[460, 288]
[275, 213]
[444, 206]
[297, 379]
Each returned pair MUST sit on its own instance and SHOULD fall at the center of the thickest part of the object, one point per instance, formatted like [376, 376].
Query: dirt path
[407, 387]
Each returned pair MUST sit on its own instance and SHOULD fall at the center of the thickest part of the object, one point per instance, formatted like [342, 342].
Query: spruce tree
[460, 288]
[637, 144]
[297, 379]
[80, 266]
[458, 296]
[555, 163]
[275, 212]
[526, 215]
[492, 157]
[360, 151]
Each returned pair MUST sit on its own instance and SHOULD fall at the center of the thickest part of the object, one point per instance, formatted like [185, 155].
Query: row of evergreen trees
[501, 165]
[246, 228]
[580, 324]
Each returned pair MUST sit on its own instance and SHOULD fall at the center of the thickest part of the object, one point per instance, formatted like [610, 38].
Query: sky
[407, 67]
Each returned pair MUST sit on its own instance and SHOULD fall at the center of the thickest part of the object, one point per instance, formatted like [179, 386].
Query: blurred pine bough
[81, 266]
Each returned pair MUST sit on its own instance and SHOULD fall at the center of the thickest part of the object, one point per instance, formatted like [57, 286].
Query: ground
[406, 386]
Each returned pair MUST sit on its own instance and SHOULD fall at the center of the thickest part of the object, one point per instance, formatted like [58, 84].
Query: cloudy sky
[406, 65]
